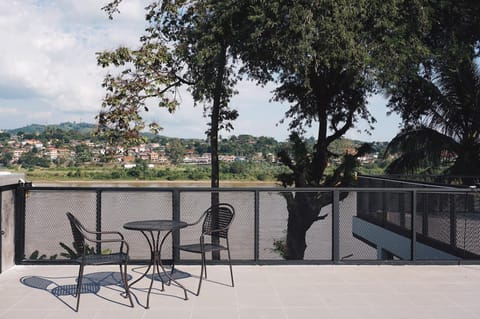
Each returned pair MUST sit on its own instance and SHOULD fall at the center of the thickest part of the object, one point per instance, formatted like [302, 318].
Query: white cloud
[48, 57]
[48, 70]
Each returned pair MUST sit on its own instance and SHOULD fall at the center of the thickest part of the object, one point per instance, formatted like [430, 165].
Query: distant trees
[5, 157]
[83, 153]
[4, 136]
[176, 151]
[30, 160]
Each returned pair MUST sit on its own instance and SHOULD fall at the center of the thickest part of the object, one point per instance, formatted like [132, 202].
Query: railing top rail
[257, 189]
[411, 182]
[8, 187]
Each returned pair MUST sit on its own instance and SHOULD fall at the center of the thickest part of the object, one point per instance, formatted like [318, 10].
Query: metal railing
[429, 224]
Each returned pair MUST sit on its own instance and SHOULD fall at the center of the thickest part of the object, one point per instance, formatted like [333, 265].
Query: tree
[146, 75]
[201, 32]
[186, 43]
[445, 129]
[195, 38]
[83, 153]
[435, 95]
[30, 159]
[320, 55]
[176, 151]
[4, 136]
[6, 157]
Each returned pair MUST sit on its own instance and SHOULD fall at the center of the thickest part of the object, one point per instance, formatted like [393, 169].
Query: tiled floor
[278, 292]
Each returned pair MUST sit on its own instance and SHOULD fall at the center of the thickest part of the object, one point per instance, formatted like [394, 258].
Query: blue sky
[48, 73]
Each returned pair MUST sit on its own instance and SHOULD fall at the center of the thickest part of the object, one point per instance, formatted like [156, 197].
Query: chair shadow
[91, 284]
[176, 275]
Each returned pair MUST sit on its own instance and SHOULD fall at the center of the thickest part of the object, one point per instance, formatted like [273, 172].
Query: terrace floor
[306, 291]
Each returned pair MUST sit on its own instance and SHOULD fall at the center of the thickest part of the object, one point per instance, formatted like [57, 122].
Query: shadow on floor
[91, 284]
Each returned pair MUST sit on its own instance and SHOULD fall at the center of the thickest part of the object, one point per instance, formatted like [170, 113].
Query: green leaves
[142, 75]
[443, 127]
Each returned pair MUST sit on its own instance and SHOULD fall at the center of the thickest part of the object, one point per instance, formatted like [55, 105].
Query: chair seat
[116, 258]
[197, 248]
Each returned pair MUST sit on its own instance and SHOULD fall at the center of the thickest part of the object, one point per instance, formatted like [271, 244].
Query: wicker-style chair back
[218, 220]
[77, 232]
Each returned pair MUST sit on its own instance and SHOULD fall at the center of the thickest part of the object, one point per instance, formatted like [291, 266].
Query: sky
[49, 74]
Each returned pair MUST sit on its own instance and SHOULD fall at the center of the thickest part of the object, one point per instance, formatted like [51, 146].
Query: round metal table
[151, 230]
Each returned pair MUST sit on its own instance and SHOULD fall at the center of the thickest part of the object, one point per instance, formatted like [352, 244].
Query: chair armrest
[198, 220]
[105, 233]
[122, 242]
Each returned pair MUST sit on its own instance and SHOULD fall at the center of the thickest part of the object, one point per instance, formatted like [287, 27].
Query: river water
[47, 227]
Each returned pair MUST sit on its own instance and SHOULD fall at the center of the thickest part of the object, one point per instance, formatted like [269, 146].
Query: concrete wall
[8, 220]
[400, 246]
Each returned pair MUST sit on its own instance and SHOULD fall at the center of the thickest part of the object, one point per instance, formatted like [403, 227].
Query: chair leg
[123, 274]
[230, 264]
[79, 285]
[203, 269]
[204, 263]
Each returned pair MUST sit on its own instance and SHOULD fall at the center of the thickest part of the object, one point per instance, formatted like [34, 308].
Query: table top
[155, 225]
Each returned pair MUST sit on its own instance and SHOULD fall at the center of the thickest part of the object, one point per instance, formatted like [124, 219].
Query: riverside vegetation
[82, 156]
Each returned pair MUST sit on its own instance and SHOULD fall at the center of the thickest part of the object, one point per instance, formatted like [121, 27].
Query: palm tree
[442, 126]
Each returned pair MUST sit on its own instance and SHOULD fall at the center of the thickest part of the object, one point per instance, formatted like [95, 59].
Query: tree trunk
[303, 211]
[215, 118]
[304, 208]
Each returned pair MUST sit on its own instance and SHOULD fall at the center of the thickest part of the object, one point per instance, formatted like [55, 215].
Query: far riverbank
[151, 183]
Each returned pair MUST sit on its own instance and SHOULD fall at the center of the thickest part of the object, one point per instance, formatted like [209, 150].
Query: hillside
[40, 128]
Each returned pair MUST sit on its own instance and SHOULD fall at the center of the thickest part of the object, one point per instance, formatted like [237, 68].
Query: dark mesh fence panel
[119, 208]
[273, 225]
[472, 228]
[319, 236]
[46, 225]
[468, 224]
[384, 227]
[351, 247]
[241, 234]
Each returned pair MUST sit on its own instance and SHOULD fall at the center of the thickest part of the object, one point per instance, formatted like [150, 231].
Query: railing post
[256, 240]
[98, 221]
[176, 216]
[20, 206]
[414, 225]
[336, 226]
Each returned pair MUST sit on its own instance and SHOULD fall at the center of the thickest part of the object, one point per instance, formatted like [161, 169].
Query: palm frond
[419, 148]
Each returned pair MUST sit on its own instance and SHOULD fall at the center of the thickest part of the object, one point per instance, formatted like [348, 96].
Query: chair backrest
[218, 217]
[78, 236]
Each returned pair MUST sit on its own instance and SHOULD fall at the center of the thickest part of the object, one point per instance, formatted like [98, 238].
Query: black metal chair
[87, 256]
[216, 223]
